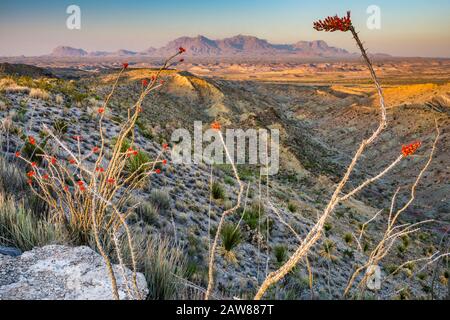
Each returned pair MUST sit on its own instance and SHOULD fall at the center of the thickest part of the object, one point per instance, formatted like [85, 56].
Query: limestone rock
[58, 272]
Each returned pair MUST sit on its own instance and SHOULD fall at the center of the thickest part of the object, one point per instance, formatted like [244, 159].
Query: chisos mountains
[240, 45]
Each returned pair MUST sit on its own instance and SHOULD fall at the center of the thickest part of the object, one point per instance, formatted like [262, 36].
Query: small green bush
[160, 199]
[292, 206]
[217, 191]
[148, 213]
[348, 238]
[280, 252]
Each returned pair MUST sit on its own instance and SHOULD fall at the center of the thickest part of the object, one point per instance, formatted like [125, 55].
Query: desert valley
[322, 101]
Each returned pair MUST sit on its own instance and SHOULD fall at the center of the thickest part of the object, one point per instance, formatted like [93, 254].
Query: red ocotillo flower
[31, 140]
[99, 169]
[81, 185]
[53, 160]
[101, 110]
[34, 164]
[17, 154]
[144, 83]
[66, 188]
[45, 176]
[72, 161]
[215, 125]
[30, 182]
[410, 148]
[157, 171]
[125, 65]
[31, 174]
[164, 162]
[335, 23]
[95, 149]
[111, 180]
[165, 146]
[181, 50]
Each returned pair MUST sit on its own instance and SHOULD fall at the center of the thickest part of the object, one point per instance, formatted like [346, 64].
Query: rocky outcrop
[58, 272]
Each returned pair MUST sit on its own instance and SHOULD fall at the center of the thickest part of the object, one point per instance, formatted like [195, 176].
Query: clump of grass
[162, 263]
[217, 191]
[148, 212]
[36, 93]
[135, 164]
[160, 199]
[12, 179]
[9, 85]
[20, 228]
[280, 253]
[292, 206]
[348, 238]
[327, 227]
[327, 250]
[59, 99]
[231, 238]
[61, 126]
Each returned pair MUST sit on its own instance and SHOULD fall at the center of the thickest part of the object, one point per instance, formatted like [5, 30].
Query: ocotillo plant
[343, 24]
[89, 199]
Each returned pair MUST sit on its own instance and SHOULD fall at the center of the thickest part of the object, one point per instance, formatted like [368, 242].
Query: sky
[408, 28]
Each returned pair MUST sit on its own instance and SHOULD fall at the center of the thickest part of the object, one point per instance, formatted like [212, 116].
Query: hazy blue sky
[408, 28]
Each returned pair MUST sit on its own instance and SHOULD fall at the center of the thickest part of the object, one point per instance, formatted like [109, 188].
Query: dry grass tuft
[39, 94]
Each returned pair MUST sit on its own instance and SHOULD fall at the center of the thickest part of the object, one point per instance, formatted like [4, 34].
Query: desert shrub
[347, 253]
[20, 228]
[32, 151]
[9, 85]
[136, 162]
[160, 199]
[217, 191]
[39, 94]
[327, 227]
[60, 126]
[327, 250]
[231, 238]
[405, 241]
[292, 206]
[254, 216]
[163, 262]
[280, 253]
[148, 212]
[348, 238]
[12, 179]
[229, 180]
[59, 99]
[144, 129]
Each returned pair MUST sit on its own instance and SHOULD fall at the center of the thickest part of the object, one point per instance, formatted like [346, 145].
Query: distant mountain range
[240, 45]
